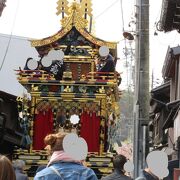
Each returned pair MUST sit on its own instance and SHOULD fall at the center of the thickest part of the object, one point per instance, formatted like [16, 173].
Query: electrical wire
[10, 37]
[122, 15]
[126, 49]
[109, 7]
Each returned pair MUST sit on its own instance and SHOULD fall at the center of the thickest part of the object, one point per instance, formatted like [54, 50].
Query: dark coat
[109, 65]
[148, 176]
[20, 175]
[116, 176]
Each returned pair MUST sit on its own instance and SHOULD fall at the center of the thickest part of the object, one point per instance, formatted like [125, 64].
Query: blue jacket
[66, 171]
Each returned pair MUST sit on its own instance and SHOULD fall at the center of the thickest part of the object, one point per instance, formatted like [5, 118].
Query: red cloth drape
[90, 130]
[43, 125]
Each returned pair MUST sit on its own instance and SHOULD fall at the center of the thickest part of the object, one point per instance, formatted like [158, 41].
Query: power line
[125, 42]
[122, 15]
[10, 37]
[109, 7]
[7, 48]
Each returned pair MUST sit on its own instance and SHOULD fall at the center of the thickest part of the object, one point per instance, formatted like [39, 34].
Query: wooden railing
[91, 76]
[34, 74]
[106, 76]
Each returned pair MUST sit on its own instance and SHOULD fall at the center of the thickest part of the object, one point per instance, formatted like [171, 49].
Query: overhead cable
[10, 37]
[105, 10]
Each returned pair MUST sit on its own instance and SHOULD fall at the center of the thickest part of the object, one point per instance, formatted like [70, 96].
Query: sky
[38, 19]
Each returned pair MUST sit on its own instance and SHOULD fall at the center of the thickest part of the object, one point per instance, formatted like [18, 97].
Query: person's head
[118, 162]
[54, 142]
[157, 162]
[19, 164]
[6, 169]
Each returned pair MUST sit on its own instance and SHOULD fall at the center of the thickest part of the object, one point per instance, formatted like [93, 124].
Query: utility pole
[141, 99]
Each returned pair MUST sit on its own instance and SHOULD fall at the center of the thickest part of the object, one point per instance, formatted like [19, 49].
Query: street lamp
[128, 36]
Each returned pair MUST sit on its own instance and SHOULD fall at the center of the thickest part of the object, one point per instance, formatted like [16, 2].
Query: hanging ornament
[62, 7]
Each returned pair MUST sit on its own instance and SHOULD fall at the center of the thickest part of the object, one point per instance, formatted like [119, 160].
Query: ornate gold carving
[74, 19]
[109, 100]
[111, 45]
[33, 102]
[106, 170]
[68, 89]
[51, 39]
[67, 75]
[86, 7]
[34, 88]
[103, 108]
[83, 77]
[62, 7]
[102, 90]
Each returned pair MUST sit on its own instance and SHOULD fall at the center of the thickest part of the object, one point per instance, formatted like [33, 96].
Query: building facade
[2, 6]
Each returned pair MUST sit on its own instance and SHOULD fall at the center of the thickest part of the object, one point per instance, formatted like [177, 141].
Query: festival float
[68, 92]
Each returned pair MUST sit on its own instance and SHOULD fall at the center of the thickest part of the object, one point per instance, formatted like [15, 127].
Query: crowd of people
[12, 170]
[62, 166]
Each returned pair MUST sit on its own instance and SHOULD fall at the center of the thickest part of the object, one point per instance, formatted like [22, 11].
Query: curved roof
[73, 20]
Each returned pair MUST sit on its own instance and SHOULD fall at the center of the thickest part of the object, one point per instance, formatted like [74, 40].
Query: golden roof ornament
[74, 18]
[78, 15]
[62, 7]
[83, 9]
[86, 8]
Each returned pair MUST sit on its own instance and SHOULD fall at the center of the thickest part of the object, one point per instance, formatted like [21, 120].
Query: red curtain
[43, 125]
[90, 130]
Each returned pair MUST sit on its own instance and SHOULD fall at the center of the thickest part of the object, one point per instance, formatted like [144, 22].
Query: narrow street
[90, 87]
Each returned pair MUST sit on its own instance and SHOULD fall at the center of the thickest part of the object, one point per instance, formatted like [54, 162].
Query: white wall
[18, 51]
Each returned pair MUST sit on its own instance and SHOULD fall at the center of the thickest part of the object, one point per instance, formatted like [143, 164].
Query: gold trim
[111, 45]
[74, 19]
[62, 7]
[86, 7]
[33, 102]
[51, 39]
